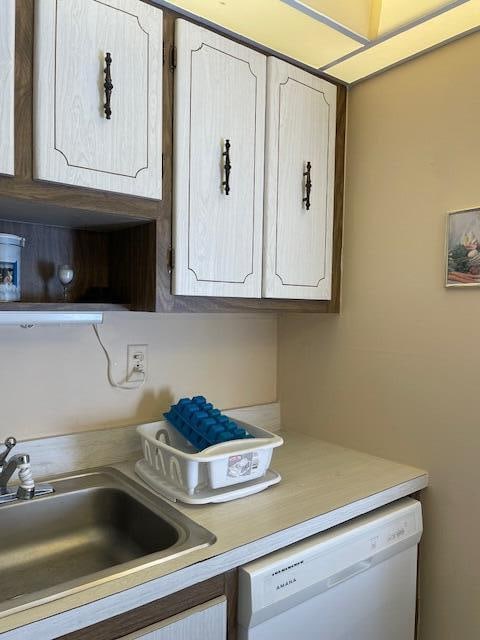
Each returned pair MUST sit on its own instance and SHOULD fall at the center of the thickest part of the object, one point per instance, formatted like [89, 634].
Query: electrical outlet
[136, 362]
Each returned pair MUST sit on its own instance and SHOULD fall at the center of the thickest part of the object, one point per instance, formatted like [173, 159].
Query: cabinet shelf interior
[111, 263]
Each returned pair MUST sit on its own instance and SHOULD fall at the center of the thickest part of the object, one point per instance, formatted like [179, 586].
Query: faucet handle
[9, 443]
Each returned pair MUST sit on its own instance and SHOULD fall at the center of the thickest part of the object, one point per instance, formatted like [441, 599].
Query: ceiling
[348, 39]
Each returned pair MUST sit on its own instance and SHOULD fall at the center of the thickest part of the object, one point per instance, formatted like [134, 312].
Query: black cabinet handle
[308, 186]
[227, 167]
[108, 86]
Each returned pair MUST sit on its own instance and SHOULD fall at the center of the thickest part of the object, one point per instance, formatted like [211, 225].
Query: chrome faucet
[26, 490]
[21, 460]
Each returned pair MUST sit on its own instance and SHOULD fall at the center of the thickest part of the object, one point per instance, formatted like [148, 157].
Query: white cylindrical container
[10, 266]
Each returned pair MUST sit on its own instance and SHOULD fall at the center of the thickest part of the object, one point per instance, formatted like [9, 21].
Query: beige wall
[397, 374]
[53, 379]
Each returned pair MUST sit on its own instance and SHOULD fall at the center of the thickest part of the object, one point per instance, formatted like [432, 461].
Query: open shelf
[114, 267]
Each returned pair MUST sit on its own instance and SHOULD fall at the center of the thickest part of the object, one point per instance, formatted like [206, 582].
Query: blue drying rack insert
[201, 424]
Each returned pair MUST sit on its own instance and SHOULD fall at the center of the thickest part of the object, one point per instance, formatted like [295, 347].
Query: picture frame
[463, 248]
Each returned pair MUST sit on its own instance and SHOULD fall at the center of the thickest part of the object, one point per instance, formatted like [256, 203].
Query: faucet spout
[9, 468]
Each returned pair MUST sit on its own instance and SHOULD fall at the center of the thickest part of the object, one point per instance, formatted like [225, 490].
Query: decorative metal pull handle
[308, 186]
[227, 167]
[108, 86]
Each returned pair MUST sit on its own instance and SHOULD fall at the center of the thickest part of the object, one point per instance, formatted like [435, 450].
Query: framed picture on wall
[463, 248]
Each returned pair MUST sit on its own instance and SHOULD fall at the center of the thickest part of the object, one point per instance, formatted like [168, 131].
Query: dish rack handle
[163, 436]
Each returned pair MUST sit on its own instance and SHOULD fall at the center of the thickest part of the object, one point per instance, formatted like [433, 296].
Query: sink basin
[97, 526]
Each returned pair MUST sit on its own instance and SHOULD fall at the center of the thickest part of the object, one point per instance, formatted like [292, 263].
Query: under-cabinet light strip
[33, 318]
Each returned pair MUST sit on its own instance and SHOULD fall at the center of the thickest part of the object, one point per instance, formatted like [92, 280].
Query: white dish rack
[174, 468]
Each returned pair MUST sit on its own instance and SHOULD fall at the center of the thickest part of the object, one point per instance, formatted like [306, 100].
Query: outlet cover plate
[136, 362]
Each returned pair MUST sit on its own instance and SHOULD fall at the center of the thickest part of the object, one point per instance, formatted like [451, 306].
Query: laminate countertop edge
[22, 627]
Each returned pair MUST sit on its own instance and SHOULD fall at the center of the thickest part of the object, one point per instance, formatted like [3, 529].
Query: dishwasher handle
[349, 572]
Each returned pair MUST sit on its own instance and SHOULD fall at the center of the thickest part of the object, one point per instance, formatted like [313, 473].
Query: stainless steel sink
[97, 526]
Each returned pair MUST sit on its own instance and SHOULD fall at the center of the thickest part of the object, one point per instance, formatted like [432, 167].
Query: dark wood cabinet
[138, 619]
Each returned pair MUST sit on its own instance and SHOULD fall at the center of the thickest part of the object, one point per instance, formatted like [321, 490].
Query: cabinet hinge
[163, 159]
[171, 259]
[173, 57]
[163, 52]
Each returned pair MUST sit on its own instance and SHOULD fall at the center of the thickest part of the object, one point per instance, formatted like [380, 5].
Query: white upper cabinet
[218, 165]
[299, 183]
[80, 48]
[7, 68]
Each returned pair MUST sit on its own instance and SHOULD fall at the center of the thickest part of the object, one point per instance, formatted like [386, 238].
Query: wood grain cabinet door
[7, 67]
[205, 622]
[218, 210]
[74, 141]
[299, 183]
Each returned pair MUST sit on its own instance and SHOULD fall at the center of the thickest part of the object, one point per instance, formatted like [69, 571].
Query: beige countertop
[322, 485]
[317, 478]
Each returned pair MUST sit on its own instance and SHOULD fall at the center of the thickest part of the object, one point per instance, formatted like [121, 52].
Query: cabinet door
[207, 621]
[300, 140]
[219, 106]
[77, 141]
[7, 66]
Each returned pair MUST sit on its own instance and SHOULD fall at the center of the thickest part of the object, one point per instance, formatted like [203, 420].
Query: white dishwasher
[354, 582]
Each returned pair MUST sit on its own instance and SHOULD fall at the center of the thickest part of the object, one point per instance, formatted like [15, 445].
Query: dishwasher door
[355, 582]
